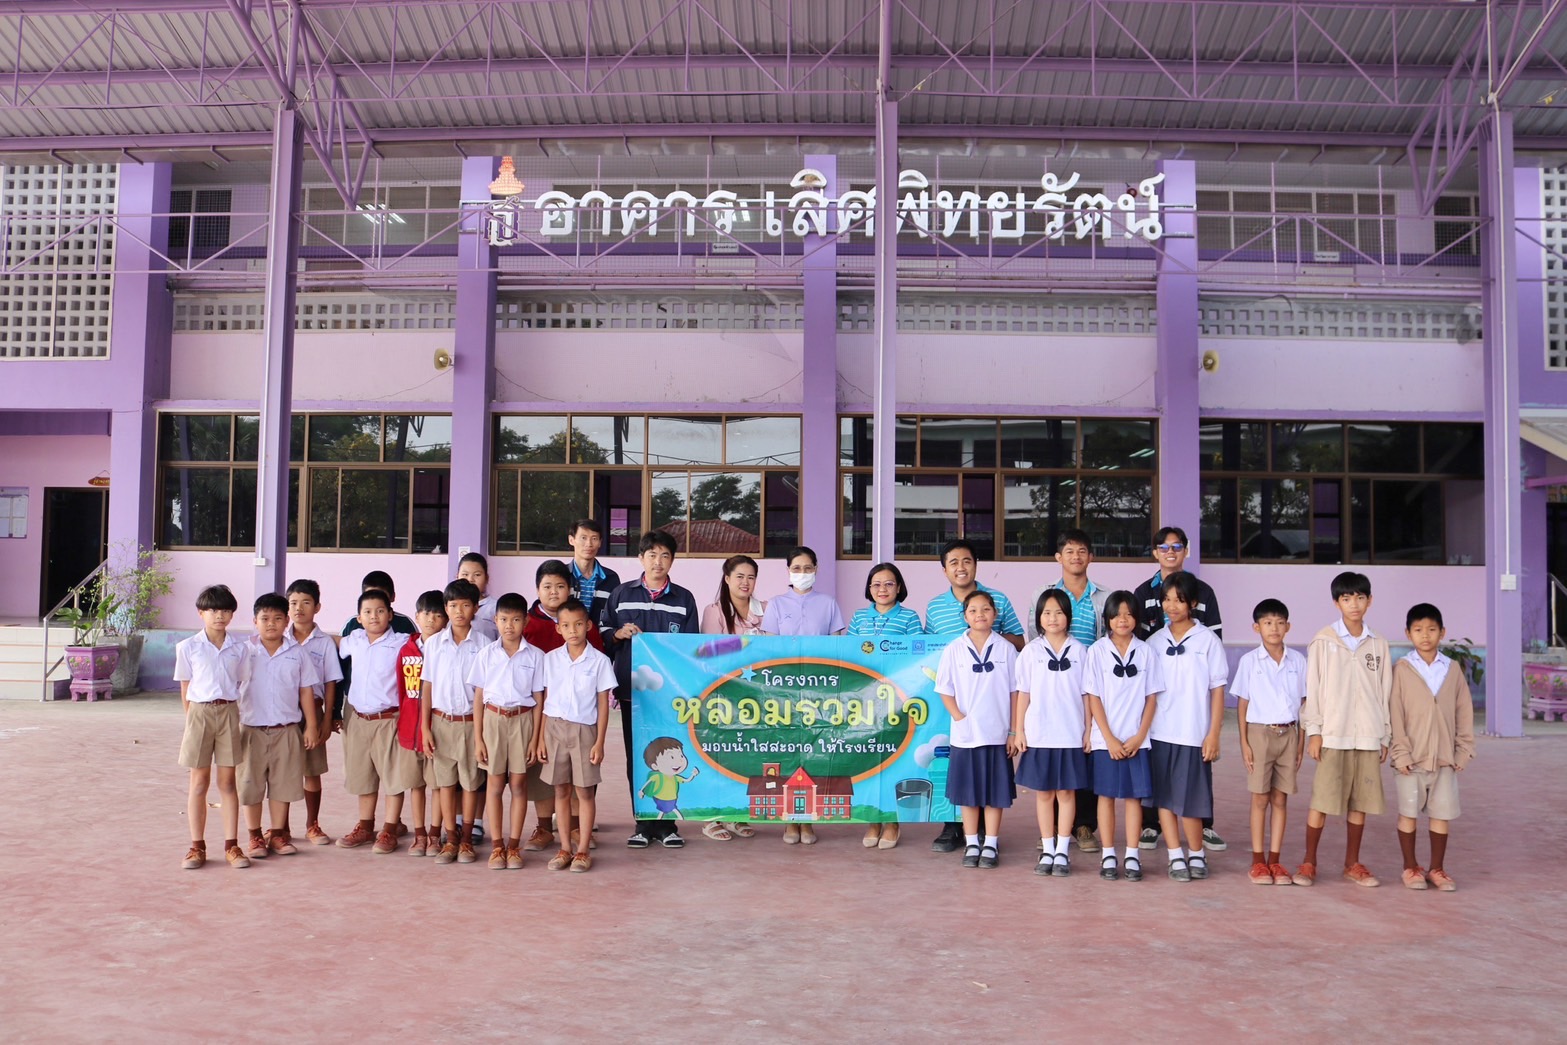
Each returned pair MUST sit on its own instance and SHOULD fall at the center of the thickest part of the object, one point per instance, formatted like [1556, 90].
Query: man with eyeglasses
[1170, 549]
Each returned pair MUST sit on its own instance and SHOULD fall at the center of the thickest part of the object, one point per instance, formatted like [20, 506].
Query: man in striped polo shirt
[652, 604]
[944, 616]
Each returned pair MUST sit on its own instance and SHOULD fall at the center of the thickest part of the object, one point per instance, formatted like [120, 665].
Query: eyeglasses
[884, 584]
[1176, 546]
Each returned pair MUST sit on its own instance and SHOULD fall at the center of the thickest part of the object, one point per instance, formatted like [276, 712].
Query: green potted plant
[90, 656]
[1468, 659]
[133, 582]
[115, 612]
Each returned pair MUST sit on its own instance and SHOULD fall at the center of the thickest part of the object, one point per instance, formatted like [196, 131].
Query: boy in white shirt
[1270, 684]
[372, 758]
[210, 668]
[507, 717]
[279, 696]
[578, 680]
[446, 708]
[304, 603]
[1186, 725]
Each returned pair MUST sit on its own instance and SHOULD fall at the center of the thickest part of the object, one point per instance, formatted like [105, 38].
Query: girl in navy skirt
[1122, 682]
[1186, 728]
[974, 681]
[1054, 716]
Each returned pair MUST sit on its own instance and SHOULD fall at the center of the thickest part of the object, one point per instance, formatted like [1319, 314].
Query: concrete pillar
[1178, 360]
[473, 375]
[884, 417]
[138, 349]
[1503, 467]
[819, 490]
[277, 389]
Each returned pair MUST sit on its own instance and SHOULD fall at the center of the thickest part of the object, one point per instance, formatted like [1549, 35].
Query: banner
[838, 729]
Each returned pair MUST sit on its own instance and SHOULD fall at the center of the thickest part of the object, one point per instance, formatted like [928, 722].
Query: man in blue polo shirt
[1075, 551]
[944, 616]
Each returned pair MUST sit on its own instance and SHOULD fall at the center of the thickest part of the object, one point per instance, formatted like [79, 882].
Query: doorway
[76, 531]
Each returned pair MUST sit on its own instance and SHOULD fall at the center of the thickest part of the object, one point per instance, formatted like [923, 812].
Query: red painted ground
[104, 937]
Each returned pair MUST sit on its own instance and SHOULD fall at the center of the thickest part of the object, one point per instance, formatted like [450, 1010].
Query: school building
[306, 290]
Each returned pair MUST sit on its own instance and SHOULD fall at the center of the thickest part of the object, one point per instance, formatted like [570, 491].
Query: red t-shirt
[539, 631]
[411, 663]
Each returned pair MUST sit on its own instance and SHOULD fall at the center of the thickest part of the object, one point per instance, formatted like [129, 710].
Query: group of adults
[801, 610]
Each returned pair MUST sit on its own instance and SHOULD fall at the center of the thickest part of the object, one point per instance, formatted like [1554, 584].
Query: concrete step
[22, 659]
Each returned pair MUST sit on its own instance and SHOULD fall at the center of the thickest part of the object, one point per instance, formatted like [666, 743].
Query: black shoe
[478, 831]
[1179, 871]
[1134, 871]
[1063, 868]
[1046, 866]
[1198, 867]
[1107, 869]
[949, 841]
[673, 841]
[971, 856]
[989, 856]
[637, 841]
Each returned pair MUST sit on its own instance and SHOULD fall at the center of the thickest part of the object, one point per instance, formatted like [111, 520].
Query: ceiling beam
[838, 63]
[503, 136]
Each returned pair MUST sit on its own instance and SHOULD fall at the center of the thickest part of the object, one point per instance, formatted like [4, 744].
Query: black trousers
[652, 829]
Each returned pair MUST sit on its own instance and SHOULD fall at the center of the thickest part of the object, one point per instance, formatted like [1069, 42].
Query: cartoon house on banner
[801, 797]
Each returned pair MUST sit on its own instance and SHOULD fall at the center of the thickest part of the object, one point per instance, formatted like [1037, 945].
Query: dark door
[1556, 560]
[76, 527]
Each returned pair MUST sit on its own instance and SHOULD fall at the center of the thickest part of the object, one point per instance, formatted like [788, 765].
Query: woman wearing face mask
[802, 611]
[736, 611]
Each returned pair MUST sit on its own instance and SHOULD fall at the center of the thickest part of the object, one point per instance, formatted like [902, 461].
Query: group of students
[1118, 697]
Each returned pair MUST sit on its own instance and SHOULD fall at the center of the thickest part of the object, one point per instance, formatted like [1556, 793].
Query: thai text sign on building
[1053, 213]
[804, 730]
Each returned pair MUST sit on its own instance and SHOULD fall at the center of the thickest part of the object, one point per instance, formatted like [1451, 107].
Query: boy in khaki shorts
[280, 695]
[373, 760]
[430, 616]
[1433, 719]
[507, 715]
[1270, 683]
[210, 668]
[446, 708]
[1349, 681]
[578, 680]
[304, 603]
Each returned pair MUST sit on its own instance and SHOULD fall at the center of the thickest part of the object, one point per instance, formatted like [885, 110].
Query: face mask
[802, 581]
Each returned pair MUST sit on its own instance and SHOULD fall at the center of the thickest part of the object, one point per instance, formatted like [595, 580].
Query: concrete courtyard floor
[105, 938]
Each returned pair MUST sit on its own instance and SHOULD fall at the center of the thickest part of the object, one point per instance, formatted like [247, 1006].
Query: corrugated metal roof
[534, 66]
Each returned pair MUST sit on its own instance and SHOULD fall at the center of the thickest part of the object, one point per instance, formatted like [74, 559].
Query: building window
[357, 481]
[1297, 226]
[1326, 492]
[199, 222]
[719, 484]
[1007, 485]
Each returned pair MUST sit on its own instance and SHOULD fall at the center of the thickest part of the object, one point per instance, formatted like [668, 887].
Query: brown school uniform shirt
[1431, 730]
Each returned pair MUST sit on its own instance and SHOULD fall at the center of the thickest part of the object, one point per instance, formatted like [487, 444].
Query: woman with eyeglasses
[1054, 737]
[886, 615]
[974, 681]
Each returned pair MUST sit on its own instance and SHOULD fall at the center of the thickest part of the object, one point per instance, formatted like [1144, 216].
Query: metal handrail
[1557, 589]
[74, 597]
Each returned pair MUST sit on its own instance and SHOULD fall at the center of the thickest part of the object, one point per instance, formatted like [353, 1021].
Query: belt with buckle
[388, 713]
[280, 725]
[506, 712]
[1279, 728]
[451, 718]
[215, 703]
